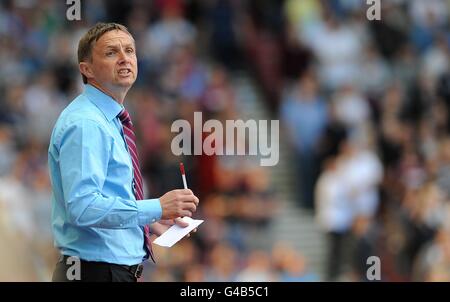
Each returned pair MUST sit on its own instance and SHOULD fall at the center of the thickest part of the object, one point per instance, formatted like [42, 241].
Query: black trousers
[72, 269]
[336, 254]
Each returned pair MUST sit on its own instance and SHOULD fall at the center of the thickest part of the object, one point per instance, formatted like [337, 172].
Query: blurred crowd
[366, 110]
[364, 106]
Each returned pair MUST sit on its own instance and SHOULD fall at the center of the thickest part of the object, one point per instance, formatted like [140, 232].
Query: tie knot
[124, 117]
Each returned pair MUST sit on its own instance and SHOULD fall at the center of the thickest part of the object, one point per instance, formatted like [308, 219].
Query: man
[99, 214]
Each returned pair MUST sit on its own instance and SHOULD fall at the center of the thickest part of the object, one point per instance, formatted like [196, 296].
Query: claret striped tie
[130, 140]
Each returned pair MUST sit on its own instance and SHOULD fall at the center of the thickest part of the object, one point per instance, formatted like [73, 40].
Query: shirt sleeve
[84, 154]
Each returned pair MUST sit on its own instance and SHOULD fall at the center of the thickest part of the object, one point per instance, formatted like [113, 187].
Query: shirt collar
[107, 105]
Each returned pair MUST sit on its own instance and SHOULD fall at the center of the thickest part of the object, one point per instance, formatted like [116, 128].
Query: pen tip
[182, 168]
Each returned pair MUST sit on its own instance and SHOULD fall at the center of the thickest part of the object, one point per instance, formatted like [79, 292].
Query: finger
[167, 221]
[181, 223]
[186, 198]
[189, 206]
[190, 198]
[185, 191]
[193, 231]
[196, 200]
[186, 213]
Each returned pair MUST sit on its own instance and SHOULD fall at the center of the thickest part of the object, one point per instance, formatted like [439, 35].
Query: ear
[86, 70]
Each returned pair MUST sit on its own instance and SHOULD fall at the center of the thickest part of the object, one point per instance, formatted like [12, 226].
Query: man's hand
[158, 228]
[178, 203]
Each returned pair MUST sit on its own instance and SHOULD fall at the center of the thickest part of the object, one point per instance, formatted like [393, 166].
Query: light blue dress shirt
[95, 215]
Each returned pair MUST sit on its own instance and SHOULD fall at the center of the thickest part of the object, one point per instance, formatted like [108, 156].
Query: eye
[109, 53]
[130, 50]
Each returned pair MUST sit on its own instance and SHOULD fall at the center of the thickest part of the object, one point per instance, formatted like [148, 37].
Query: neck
[118, 95]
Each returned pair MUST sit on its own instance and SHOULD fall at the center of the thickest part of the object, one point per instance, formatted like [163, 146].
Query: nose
[123, 57]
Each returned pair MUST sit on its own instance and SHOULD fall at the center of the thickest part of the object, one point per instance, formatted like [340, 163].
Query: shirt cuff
[149, 211]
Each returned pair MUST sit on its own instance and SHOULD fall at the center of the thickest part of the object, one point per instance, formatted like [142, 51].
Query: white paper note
[175, 232]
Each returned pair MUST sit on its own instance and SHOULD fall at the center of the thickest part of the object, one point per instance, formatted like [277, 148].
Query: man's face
[114, 62]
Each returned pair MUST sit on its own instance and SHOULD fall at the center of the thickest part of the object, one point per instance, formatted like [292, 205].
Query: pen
[183, 175]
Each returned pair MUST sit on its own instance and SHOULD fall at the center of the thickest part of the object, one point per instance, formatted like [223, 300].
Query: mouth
[124, 72]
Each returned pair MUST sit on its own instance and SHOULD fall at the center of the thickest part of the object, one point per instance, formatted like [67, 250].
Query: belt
[136, 269]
